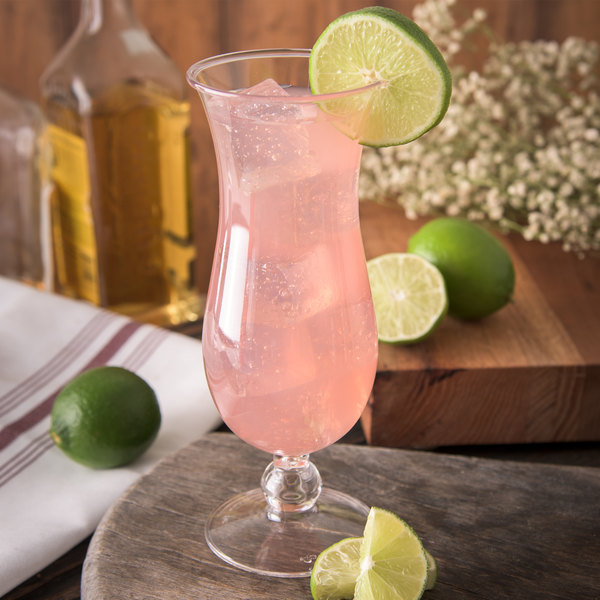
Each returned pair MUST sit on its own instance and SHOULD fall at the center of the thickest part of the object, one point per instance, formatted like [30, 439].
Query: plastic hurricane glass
[289, 334]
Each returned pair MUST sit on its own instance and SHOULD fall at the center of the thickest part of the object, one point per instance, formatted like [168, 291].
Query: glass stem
[291, 484]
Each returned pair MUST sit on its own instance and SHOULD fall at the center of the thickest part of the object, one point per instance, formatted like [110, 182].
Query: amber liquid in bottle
[131, 249]
[119, 126]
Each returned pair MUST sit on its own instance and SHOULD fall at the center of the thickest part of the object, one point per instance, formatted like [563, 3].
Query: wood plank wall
[31, 31]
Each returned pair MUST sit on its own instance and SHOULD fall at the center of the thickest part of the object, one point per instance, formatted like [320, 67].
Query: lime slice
[409, 295]
[378, 44]
[336, 570]
[393, 564]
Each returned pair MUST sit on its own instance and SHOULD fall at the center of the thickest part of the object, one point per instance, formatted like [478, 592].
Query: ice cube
[270, 138]
[295, 289]
[264, 110]
[268, 87]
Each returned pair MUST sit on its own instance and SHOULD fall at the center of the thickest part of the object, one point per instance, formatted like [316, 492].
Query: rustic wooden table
[524, 524]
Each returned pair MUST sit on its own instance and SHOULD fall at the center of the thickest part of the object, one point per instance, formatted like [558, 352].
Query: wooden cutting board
[498, 529]
[528, 373]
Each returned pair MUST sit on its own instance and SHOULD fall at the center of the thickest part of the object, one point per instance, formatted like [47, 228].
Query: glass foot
[242, 534]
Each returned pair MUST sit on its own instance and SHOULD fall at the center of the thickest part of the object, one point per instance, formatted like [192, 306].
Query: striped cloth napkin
[49, 503]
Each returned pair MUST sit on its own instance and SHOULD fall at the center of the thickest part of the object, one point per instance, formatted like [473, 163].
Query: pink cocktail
[289, 335]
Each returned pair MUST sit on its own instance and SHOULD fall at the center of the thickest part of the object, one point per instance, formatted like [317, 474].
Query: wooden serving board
[528, 373]
[502, 530]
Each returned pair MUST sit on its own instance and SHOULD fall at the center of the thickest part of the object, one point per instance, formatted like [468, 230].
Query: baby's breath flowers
[519, 146]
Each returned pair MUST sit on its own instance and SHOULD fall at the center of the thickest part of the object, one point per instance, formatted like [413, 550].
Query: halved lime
[378, 44]
[336, 570]
[409, 295]
[393, 563]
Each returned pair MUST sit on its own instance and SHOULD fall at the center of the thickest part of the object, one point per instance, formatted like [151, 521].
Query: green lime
[393, 564]
[378, 44]
[337, 568]
[105, 417]
[409, 297]
[479, 273]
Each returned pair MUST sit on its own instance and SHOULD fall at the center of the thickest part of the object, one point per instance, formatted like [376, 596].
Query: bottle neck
[97, 14]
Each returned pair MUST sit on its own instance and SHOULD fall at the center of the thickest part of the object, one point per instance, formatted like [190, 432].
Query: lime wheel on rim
[378, 44]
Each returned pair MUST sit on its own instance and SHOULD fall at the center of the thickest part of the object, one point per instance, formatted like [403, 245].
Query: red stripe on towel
[41, 444]
[13, 430]
[25, 457]
[54, 366]
[145, 349]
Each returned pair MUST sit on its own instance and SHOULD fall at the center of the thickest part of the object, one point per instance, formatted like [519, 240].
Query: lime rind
[379, 44]
[431, 571]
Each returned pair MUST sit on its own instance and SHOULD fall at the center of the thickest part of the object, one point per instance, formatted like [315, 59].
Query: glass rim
[229, 57]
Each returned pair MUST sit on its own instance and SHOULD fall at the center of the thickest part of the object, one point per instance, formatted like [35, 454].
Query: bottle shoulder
[90, 64]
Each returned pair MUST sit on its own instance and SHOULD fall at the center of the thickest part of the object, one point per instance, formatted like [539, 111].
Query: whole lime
[105, 417]
[477, 269]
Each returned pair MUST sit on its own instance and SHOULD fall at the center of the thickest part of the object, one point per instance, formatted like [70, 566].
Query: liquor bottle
[119, 125]
[24, 191]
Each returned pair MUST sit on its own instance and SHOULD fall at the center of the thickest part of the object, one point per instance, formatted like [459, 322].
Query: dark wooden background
[31, 31]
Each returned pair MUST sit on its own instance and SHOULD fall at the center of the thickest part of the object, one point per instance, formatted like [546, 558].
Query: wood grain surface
[528, 373]
[500, 530]
[32, 31]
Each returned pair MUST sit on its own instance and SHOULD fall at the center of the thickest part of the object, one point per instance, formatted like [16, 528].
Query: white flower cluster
[519, 146]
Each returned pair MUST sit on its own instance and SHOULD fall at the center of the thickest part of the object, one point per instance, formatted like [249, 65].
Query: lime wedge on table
[378, 44]
[336, 570]
[391, 558]
[409, 295]
[393, 563]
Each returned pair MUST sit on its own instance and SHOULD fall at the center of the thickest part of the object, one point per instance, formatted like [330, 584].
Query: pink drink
[289, 339]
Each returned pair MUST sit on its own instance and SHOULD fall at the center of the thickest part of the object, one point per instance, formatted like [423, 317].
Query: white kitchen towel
[49, 503]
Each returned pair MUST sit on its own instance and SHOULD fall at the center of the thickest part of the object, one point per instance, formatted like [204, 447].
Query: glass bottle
[24, 191]
[119, 124]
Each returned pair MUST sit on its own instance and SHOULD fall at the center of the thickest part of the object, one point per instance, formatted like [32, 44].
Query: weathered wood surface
[501, 530]
[61, 579]
[32, 31]
[528, 373]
